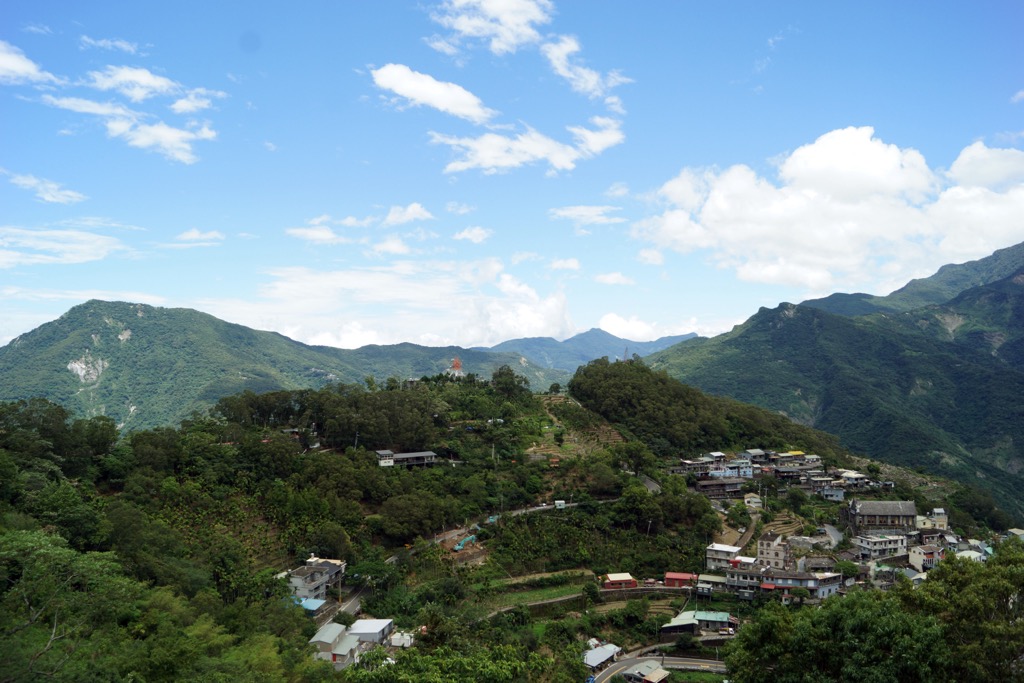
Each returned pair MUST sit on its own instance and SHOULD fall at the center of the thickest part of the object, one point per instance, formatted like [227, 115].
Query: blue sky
[470, 171]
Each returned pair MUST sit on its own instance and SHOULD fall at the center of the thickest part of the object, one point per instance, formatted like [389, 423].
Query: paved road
[666, 663]
[834, 534]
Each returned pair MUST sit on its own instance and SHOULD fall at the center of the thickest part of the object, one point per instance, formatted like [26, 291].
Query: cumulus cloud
[47, 190]
[981, 166]
[565, 264]
[493, 152]
[847, 212]
[613, 279]
[504, 24]
[22, 247]
[581, 79]
[424, 90]
[398, 215]
[635, 329]
[135, 83]
[475, 234]
[86, 42]
[16, 68]
[436, 303]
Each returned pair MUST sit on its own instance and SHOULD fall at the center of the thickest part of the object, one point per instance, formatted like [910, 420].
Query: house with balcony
[923, 558]
[315, 579]
[719, 555]
[881, 545]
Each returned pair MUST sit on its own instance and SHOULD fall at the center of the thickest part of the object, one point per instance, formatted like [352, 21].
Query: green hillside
[988, 319]
[146, 366]
[898, 396]
[948, 282]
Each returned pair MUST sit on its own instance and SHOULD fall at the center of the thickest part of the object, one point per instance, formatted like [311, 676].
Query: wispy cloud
[1018, 97]
[121, 122]
[22, 247]
[38, 29]
[613, 279]
[195, 238]
[458, 208]
[475, 234]
[587, 215]
[493, 152]
[565, 264]
[46, 190]
[581, 79]
[420, 89]
[85, 42]
[195, 100]
[16, 68]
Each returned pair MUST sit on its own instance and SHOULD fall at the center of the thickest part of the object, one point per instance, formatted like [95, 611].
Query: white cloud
[581, 79]
[121, 122]
[617, 190]
[613, 279]
[493, 153]
[135, 83]
[1018, 97]
[195, 100]
[83, 106]
[85, 42]
[391, 245]
[591, 142]
[441, 45]
[851, 164]
[270, 146]
[195, 239]
[981, 166]
[318, 234]
[458, 208]
[47, 190]
[173, 143]
[847, 213]
[587, 215]
[522, 256]
[436, 303]
[475, 234]
[21, 247]
[565, 264]
[504, 24]
[38, 29]
[16, 68]
[196, 235]
[398, 215]
[424, 90]
[651, 257]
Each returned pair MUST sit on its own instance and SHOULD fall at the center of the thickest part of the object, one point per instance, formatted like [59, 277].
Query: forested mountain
[146, 366]
[894, 393]
[582, 348]
[988, 319]
[949, 281]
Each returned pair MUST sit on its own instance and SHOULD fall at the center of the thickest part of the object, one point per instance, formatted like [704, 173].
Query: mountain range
[938, 386]
[146, 366]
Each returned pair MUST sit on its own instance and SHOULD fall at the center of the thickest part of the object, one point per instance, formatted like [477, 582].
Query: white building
[883, 545]
[718, 555]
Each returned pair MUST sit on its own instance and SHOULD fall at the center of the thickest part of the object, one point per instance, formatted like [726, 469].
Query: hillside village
[872, 543]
